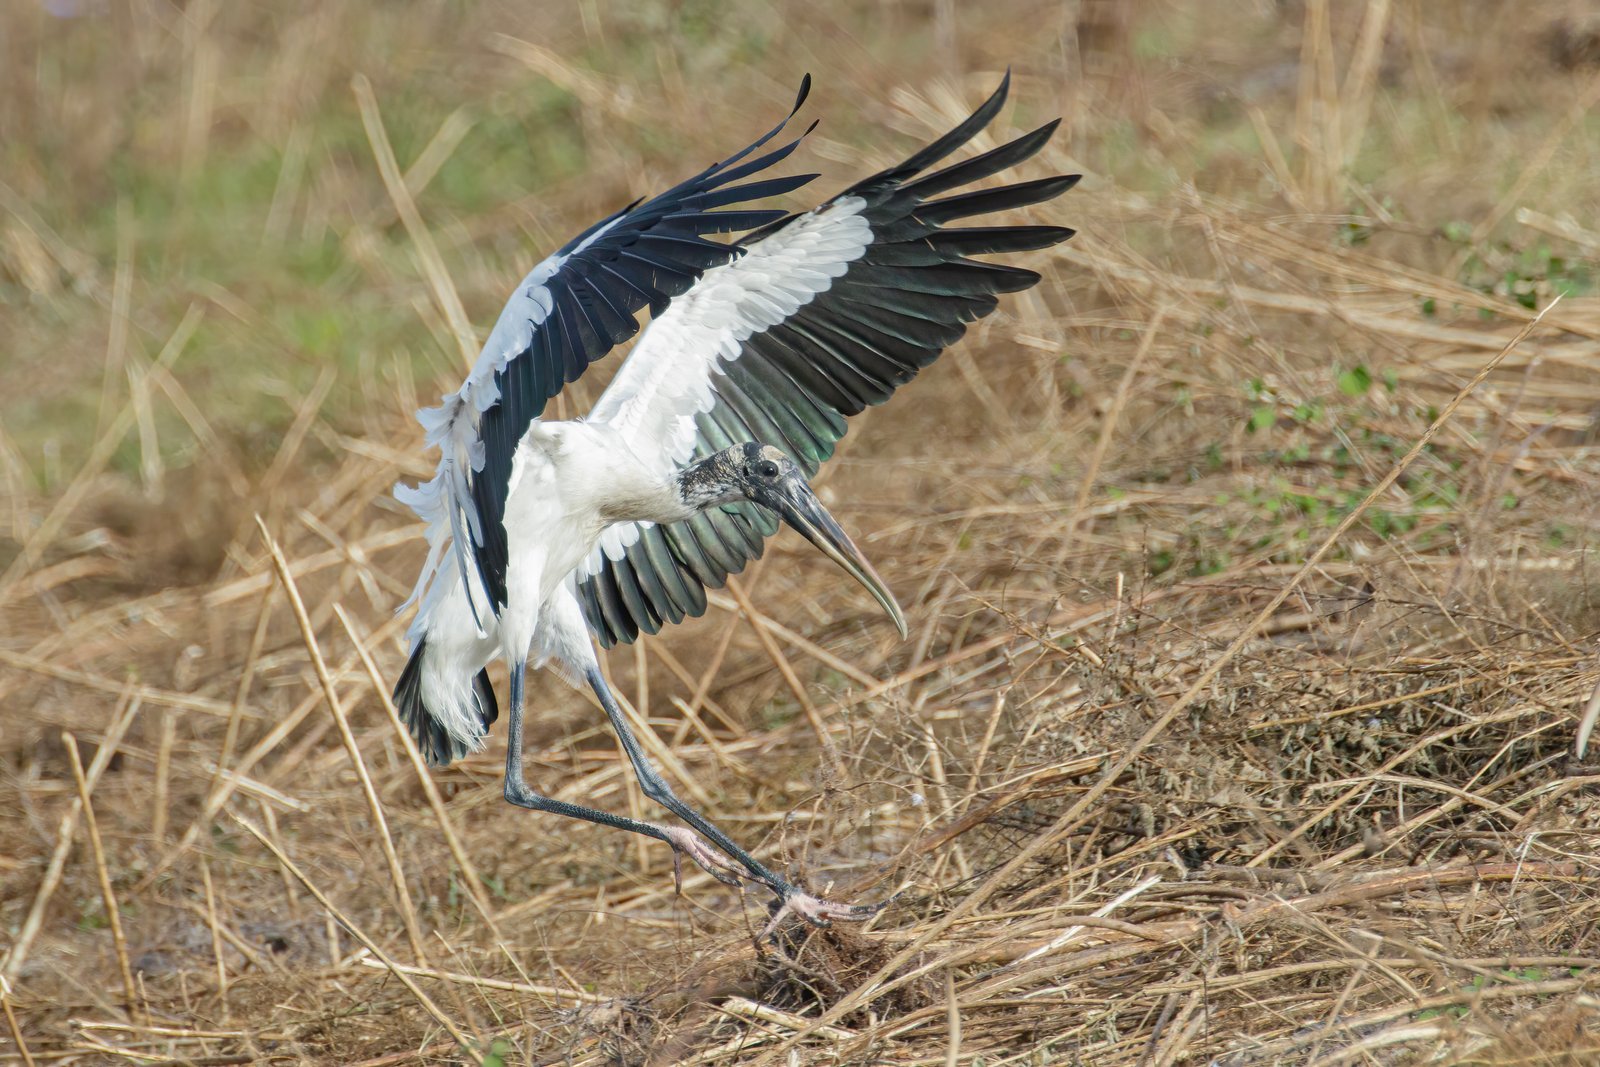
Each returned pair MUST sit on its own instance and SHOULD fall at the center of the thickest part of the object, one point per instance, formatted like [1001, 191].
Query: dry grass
[1246, 557]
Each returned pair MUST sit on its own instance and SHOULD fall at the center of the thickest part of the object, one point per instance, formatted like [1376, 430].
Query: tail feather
[439, 744]
[488, 708]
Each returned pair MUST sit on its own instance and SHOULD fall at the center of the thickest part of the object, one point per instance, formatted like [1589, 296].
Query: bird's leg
[657, 789]
[683, 842]
[792, 900]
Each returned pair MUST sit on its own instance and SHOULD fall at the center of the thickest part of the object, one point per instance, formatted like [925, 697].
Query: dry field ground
[1248, 557]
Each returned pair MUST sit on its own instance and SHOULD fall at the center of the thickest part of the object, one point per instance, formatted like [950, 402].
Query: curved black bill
[800, 508]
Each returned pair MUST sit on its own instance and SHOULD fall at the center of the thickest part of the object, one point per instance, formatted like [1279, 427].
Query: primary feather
[825, 314]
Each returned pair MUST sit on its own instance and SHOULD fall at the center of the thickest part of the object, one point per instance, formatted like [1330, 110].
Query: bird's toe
[818, 911]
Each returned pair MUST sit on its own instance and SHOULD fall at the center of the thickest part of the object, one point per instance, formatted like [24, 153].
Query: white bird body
[542, 534]
[569, 481]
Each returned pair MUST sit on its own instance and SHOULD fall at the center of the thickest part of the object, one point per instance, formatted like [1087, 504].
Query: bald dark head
[765, 475]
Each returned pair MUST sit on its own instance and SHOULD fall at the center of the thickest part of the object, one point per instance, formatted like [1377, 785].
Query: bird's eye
[767, 469]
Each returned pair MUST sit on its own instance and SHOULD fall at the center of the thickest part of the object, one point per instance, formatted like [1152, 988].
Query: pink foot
[819, 912]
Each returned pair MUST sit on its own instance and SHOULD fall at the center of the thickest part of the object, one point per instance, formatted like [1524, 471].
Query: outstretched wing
[568, 312]
[824, 314]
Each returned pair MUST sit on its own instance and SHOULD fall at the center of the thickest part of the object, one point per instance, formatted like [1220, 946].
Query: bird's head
[765, 475]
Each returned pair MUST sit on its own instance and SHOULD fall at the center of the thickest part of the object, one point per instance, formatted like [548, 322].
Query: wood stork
[543, 533]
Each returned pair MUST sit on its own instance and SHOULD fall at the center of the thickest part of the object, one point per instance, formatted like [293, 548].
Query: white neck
[658, 503]
[621, 489]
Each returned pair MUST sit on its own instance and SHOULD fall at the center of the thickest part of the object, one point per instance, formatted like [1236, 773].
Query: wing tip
[1004, 88]
[997, 99]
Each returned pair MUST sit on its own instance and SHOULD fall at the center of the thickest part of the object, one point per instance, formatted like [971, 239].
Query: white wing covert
[824, 314]
[569, 311]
